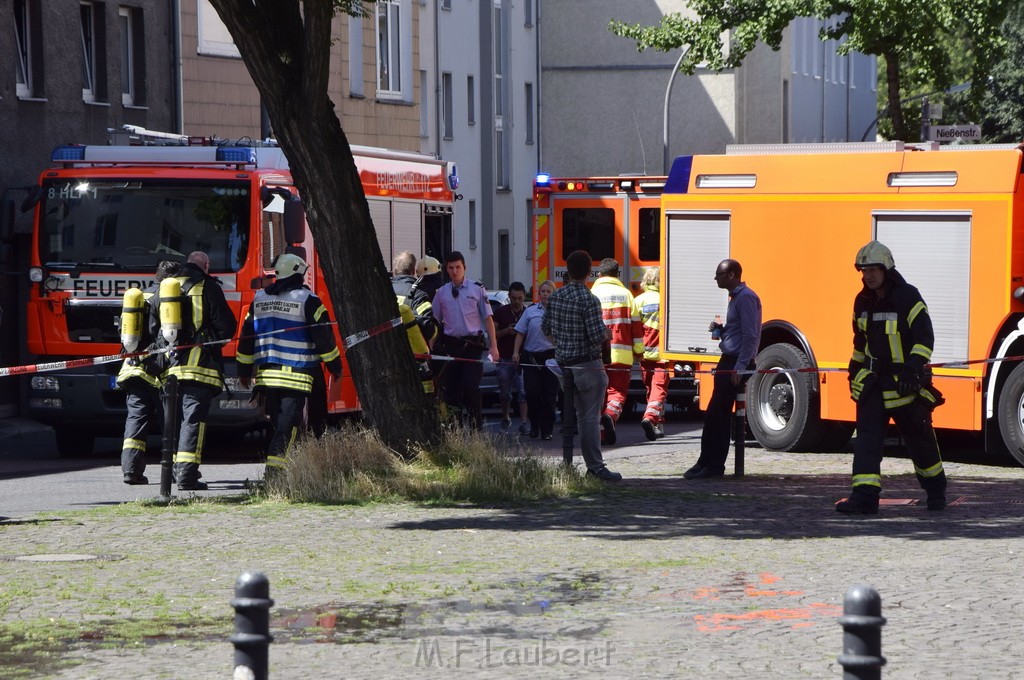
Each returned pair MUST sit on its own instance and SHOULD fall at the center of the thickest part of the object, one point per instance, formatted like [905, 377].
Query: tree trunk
[892, 82]
[287, 52]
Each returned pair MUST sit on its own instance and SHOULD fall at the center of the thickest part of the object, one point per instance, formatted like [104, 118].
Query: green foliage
[916, 39]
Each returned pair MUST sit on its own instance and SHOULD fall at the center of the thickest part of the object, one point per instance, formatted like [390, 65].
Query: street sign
[949, 133]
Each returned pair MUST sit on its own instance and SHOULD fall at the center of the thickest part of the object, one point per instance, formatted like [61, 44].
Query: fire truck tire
[1011, 413]
[782, 408]
[72, 443]
[835, 435]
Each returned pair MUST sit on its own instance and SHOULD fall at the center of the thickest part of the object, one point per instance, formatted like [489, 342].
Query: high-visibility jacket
[148, 368]
[286, 334]
[619, 313]
[648, 308]
[890, 334]
[418, 345]
[408, 292]
[205, 317]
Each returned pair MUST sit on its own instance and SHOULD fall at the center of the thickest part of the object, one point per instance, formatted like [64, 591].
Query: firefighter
[619, 312]
[892, 343]
[428, 270]
[139, 377]
[205, 317]
[407, 289]
[652, 368]
[285, 335]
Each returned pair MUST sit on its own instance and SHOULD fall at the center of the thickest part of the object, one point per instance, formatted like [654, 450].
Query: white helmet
[427, 266]
[874, 254]
[288, 264]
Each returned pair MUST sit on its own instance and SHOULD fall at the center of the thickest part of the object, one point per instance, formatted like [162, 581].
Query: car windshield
[133, 224]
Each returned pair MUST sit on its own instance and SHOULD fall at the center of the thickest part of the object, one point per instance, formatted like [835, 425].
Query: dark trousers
[145, 416]
[460, 380]
[194, 400]
[285, 410]
[717, 434]
[541, 395]
[915, 425]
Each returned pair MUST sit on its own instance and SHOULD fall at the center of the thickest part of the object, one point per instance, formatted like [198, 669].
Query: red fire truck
[107, 215]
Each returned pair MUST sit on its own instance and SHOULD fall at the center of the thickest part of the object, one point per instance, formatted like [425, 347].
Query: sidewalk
[659, 578]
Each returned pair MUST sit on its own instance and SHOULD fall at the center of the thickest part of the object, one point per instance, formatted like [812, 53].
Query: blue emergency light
[237, 154]
[543, 179]
[68, 153]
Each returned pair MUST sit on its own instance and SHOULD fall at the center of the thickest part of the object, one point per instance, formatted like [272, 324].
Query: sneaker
[194, 486]
[607, 430]
[650, 429]
[858, 504]
[506, 423]
[524, 428]
[605, 475]
[659, 430]
[936, 501]
[135, 479]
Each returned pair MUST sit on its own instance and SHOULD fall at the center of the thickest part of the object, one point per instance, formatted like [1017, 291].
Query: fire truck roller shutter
[380, 213]
[407, 228]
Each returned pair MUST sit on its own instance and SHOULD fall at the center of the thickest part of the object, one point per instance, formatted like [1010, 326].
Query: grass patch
[353, 466]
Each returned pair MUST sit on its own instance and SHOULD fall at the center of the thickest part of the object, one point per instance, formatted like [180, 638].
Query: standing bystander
[741, 336]
[531, 351]
[573, 320]
[510, 377]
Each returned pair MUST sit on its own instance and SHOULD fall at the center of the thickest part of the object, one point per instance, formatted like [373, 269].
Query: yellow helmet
[874, 254]
[427, 266]
[289, 264]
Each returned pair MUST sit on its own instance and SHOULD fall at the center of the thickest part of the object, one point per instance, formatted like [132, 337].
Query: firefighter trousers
[655, 376]
[145, 416]
[914, 422]
[194, 399]
[617, 391]
[285, 408]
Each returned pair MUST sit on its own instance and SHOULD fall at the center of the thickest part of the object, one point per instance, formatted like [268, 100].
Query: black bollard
[169, 445]
[252, 638]
[568, 414]
[739, 422]
[862, 623]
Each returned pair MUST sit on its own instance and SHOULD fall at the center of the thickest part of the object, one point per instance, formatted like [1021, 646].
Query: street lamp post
[924, 108]
[664, 129]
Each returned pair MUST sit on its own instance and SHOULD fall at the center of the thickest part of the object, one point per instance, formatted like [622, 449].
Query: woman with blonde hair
[531, 349]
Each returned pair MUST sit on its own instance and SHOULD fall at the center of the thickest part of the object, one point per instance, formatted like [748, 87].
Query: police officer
[285, 335]
[892, 342]
[205, 318]
[139, 377]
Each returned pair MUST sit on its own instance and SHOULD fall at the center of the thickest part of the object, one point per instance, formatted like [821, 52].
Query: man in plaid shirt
[573, 321]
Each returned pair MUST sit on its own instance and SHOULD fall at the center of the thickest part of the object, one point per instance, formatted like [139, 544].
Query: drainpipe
[437, 76]
[538, 104]
[179, 92]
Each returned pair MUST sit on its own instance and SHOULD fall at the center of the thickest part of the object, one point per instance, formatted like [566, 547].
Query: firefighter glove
[908, 381]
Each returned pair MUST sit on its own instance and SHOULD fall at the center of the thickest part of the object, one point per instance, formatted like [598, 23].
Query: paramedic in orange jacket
[653, 368]
[618, 310]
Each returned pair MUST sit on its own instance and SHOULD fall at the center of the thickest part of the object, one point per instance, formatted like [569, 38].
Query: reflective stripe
[187, 457]
[895, 345]
[918, 308]
[330, 356]
[136, 444]
[862, 322]
[892, 399]
[933, 471]
[858, 356]
[284, 377]
[276, 461]
[867, 480]
[922, 351]
[884, 316]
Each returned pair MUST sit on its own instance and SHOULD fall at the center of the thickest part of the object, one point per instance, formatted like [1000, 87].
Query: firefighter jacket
[618, 311]
[146, 368]
[648, 308]
[205, 317]
[286, 334]
[892, 334]
[408, 292]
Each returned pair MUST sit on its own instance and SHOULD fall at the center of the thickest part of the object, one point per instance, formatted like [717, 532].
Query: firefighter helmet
[288, 265]
[427, 266]
[875, 254]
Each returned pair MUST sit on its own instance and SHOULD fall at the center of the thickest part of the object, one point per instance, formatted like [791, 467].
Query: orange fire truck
[795, 216]
[107, 215]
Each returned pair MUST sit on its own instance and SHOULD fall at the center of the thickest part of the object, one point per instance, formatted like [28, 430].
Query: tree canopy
[903, 33]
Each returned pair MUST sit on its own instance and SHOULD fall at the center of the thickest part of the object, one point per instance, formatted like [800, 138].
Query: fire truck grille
[93, 323]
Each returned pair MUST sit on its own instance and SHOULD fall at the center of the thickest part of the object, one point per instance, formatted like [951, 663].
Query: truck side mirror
[294, 221]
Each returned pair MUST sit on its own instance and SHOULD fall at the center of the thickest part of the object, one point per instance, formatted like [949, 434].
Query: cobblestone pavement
[658, 578]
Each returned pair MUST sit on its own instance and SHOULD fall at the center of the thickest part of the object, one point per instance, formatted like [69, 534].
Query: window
[24, 45]
[528, 12]
[529, 113]
[472, 225]
[131, 56]
[446, 4]
[501, 118]
[590, 229]
[389, 47]
[650, 235]
[424, 105]
[355, 56]
[88, 17]
[214, 37]
[447, 104]
[471, 100]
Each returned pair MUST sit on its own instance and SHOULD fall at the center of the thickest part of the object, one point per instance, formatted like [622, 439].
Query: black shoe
[689, 474]
[607, 430]
[546, 437]
[136, 480]
[936, 501]
[534, 434]
[194, 486]
[605, 475]
[650, 429]
[703, 473]
[858, 504]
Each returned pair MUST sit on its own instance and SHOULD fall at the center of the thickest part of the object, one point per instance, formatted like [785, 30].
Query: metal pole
[924, 120]
[664, 115]
[252, 637]
[862, 623]
[170, 437]
[740, 428]
[568, 414]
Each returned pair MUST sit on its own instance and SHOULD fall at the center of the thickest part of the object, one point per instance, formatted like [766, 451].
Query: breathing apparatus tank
[170, 309]
[131, 319]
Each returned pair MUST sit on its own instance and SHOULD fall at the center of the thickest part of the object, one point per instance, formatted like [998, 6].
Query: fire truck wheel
[72, 443]
[1011, 413]
[782, 408]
